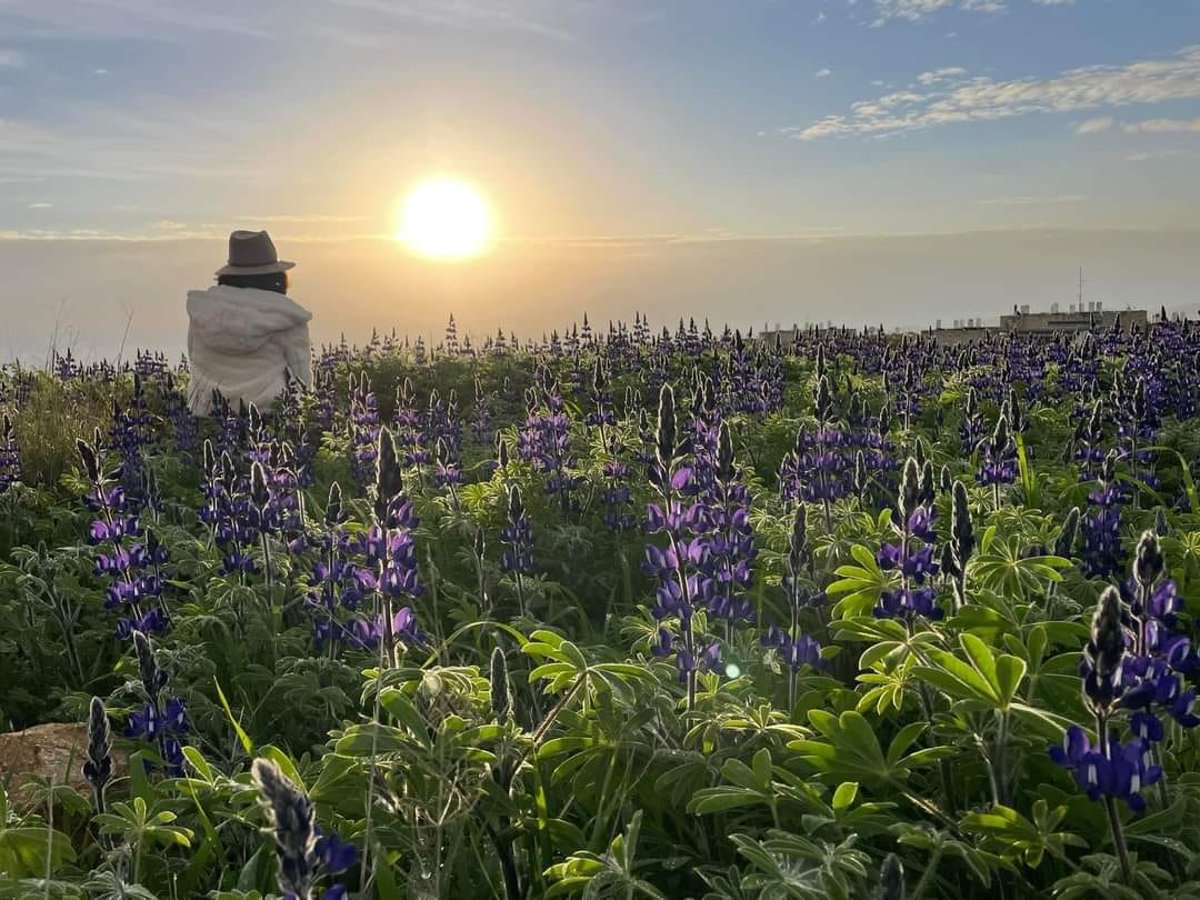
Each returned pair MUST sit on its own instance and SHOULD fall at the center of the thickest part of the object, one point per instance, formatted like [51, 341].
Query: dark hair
[271, 281]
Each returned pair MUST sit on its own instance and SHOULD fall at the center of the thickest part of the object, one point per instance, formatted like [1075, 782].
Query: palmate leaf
[982, 863]
[789, 865]
[851, 750]
[25, 849]
[1003, 567]
[1009, 834]
[987, 677]
[612, 874]
[860, 584]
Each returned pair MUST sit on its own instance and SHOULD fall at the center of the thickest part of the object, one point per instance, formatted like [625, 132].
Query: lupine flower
[517, 537]
[1121, 773]
[1103, 555]
[161, 722]
[391, 571]
[999, 463]
[730, 538]
[132, 568]
[98, 767]
[680, 569]
[617, 495]
[1088, 438]
[364, 428]
[482, 414]
[291, 821]
[448, 472]
[1104, 654]
[962, 543]
[912, 557]
[1160, 654]
[544, 439]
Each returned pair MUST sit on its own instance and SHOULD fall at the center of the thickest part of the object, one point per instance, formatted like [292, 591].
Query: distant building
[1090, 316]
[1093, 318]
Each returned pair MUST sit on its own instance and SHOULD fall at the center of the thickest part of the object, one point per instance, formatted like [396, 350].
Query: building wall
[1052, 322]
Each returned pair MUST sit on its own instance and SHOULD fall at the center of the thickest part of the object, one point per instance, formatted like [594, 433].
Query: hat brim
[269, 268]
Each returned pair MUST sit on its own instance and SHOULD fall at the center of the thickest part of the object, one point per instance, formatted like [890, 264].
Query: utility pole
[1081, 288]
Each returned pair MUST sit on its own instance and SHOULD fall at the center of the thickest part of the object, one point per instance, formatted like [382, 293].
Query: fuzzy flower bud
[960, 526]
[1064, 545]
[388, 481]
[928, 485]
[153, 678]
[502, 700]
[291, 821]
[1149, 564]
[98, 767]
[91, 462]
[891, 878]
[334, 514]
[798, 552]
[1104, 653]
[910, 489]
[666, 434]
[725, 465]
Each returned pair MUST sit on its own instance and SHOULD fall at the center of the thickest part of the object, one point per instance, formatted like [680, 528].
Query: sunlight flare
[445, 219]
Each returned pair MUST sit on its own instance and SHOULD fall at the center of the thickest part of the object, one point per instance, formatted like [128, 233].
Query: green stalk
[1110, 807]
[999, 759]
[927, 876]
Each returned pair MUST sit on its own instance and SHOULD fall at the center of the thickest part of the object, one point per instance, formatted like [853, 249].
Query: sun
[445, 219]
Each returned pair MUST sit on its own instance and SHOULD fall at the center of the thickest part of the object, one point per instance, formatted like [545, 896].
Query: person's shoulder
[207, 293]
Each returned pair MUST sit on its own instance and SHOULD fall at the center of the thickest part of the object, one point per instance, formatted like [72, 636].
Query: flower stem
[1118, 836]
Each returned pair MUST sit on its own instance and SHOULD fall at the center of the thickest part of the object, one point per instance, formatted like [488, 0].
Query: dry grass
[50, 422]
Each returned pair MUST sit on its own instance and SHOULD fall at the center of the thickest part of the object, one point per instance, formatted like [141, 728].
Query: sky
[751, 161]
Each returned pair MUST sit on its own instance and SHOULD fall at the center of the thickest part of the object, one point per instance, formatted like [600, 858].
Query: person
[246, 337]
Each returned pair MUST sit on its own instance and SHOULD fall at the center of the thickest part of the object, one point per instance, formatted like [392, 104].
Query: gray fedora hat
[253, 253]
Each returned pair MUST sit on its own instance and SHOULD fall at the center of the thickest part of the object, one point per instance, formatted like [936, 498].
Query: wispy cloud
[984, 99]
[1146, 126]
[363, 22]
[1096, 125]
[11, 59]
[1165, 126]
[915, 10]
[822, 73]
[709, 236]
[185, 233]
[1029, 201]
[41, 205]
[307, 217]
[938, 76]
[1149, 155]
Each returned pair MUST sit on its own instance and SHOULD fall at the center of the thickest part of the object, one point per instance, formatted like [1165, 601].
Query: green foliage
[584, 772]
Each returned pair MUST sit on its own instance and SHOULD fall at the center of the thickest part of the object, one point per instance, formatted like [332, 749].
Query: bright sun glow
[445, 219]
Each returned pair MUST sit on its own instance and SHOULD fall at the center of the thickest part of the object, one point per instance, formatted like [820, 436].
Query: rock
[55, 752]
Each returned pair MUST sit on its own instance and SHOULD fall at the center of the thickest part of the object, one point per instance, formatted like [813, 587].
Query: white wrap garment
[243, 342]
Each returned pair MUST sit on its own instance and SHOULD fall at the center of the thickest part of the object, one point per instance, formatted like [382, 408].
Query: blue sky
[597, 120]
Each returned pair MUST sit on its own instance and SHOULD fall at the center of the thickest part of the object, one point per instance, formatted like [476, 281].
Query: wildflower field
[623, 613]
